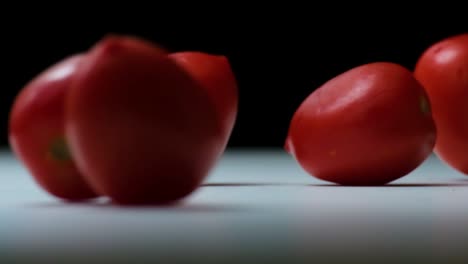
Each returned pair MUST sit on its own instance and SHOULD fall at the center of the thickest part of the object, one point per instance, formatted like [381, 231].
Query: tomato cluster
[127, 120]
[138, 124]
[377, 122]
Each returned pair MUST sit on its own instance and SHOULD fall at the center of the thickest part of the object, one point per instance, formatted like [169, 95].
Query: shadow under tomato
[391, 185]
[168, 207]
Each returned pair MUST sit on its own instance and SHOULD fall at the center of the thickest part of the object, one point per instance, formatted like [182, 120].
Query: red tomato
[443, 71]
[214, 73]
[141, 129]
[368, 126]
[36, 132]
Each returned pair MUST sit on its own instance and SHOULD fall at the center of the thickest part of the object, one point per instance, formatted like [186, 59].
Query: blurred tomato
[141, 129]
[368, 126]
[36, 132]
[443, 71]
[214, 73]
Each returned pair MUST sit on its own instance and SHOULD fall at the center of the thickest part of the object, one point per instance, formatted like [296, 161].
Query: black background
[277, 62]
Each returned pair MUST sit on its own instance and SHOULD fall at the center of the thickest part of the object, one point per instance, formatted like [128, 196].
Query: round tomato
[36, 132]
[367, 126]
[214, 73]
[443, 71]
[141, 129]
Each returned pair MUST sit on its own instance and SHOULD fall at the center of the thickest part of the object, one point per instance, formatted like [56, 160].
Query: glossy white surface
[256, 207]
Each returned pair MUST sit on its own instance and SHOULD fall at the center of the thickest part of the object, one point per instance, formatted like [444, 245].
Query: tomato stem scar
[59, 150]
[424, 105]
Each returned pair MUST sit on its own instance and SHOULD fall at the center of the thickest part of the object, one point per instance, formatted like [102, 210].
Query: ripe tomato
[36, 132]
[367, 126]
[214, 73]
[443, 71]
[141, 129]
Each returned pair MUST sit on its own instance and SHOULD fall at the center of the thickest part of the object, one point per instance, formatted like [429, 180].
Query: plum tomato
[214, 73]
[367, 126]
[36, 132]
[443, 71]
[141, 129]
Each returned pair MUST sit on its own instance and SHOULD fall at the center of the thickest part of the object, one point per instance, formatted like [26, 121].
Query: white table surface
[257, 206]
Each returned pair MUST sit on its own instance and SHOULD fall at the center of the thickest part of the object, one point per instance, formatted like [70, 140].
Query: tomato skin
[367, 126]
[36, 132]
[443, 71]
[141, 129]
[214, 73]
